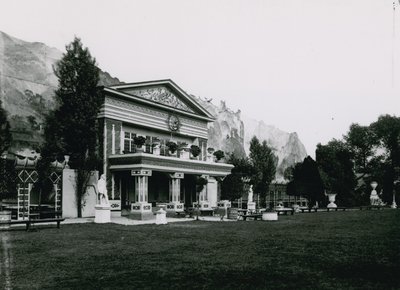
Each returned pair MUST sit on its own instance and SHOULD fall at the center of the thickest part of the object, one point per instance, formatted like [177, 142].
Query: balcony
[180, 161]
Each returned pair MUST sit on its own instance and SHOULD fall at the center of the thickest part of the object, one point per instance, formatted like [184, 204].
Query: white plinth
[269, 216]
[251, 206]
[161, 217]
[331, 205]
[175, 207]
[102, 214]
[204, 205]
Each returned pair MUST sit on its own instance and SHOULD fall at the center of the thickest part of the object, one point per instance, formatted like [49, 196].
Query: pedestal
[251, 206]
[141, 211]
[203, 205]
[161, 217]
[269, 216]
[223, 206]
[102, 214]
[173, 208]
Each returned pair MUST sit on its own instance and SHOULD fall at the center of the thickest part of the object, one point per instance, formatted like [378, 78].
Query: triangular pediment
[160, 94]
[166, 93]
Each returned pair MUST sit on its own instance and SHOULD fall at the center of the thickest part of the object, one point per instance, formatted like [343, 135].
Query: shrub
[172, 146]
[195, 150]
[219, 154]
[139, 141]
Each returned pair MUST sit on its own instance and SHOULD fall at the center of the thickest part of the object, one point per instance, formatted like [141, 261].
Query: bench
[309, 209]
[255, 216]
[30, 222]
[369, 207]
[285, 211]
[336, 208]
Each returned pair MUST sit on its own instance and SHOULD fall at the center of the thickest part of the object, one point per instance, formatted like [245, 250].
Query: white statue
[250, 197]
[102, 189]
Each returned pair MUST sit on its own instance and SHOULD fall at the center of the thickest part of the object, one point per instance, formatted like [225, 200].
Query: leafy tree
[72, 128]
[307, 181]
[234, 185]
[361, 142]
[387, 131]
[335, 162]
[264, 167]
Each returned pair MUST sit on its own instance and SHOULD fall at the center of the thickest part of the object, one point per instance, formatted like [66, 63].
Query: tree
[387, 132]
[335, 162]
[5, 135]
[361, 142]
[264, 167]
[307, 181]
[234, 185]
[72, 129]
[7, 171]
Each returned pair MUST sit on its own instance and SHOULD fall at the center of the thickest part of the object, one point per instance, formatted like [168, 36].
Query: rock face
[286, 146]
[227, 132]
[232, 133]
[27, 84]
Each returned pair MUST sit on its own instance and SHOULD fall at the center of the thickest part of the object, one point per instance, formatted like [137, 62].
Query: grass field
[336, 250]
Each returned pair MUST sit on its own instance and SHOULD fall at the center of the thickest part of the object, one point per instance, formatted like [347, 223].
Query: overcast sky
[311, 67]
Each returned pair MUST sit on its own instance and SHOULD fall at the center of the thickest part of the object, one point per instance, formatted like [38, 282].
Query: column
[141, 209]
[113, 139]
[175, 204]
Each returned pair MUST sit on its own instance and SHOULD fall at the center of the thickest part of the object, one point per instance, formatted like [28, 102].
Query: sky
[312, 67]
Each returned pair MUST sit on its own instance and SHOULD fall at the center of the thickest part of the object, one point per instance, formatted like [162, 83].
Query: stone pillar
[175, 204]
[113, 139]
[141, 209]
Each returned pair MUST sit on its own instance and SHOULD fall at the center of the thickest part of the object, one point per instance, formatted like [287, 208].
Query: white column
[113, 139]
[105, 148]
[112, 185]
[121, 146]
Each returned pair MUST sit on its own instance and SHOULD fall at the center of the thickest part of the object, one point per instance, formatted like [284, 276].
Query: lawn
[336, 250]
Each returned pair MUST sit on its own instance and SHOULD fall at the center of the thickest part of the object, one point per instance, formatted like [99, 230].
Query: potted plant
[184, 150]
[210, 151]
[139, 141]
[195, 150]
[172, 147]
[156, 146]
[219, 154]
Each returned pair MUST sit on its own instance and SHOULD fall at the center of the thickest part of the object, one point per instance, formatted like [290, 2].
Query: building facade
[140, 178]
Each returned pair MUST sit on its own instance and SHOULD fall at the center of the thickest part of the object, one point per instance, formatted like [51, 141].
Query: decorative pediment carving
[161, 95]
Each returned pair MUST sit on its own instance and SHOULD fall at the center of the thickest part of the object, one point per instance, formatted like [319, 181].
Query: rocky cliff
[27, 84]
[232, 132]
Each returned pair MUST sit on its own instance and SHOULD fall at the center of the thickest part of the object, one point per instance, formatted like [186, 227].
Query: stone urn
[332, 199]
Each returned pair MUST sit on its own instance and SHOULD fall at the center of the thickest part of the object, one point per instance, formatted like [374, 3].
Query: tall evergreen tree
[72, 128]
[234, 185]
[264, 167]
[7, 171]
[5, 134]
[307, 181]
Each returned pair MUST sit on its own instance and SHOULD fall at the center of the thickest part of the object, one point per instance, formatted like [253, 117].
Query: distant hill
[27, 84]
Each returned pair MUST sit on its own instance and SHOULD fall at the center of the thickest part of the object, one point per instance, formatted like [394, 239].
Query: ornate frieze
[161, 95]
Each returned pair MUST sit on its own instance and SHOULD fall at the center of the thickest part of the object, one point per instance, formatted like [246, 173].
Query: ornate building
[141, 177]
